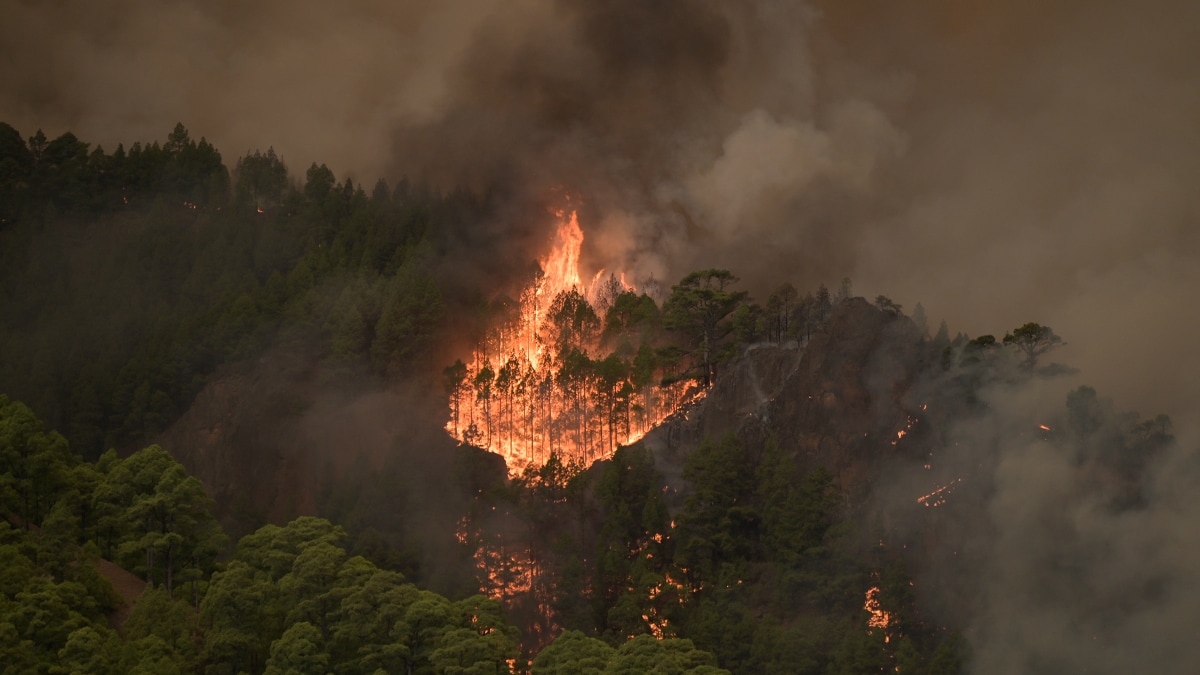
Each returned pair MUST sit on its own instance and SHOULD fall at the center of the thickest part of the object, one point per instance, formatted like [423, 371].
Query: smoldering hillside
[1059, 530]
[1063, 572]
[1055, 529]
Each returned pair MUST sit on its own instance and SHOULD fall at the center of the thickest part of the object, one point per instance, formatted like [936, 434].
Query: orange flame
[561, 265]
[938, 496]
[520, 399]
[908, 427]
[879, 617]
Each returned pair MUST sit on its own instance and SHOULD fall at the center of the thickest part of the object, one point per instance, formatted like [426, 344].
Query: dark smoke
[999, 163]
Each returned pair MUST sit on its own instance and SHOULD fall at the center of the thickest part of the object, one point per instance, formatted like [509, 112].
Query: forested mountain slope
[840, 492]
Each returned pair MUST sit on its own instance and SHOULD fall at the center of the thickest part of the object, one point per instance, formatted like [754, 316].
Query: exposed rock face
[845, 404]
[739, 398]
[238, 437]
[838, 402]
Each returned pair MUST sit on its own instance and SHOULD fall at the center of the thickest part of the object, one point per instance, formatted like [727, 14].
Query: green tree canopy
[1033, 340]
[299, 651]
[261, 178]
[35, 465]
[646, 654]
[573, 653]
[162, 514]
[699, 309]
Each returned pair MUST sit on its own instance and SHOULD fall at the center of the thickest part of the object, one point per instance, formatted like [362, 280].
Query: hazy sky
[998, 162]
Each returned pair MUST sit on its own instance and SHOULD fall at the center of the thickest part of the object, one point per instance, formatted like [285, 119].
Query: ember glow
[879, 617]
[938, 496]
[912, 421]
[544, 381]
[668, 591]
[502, 571]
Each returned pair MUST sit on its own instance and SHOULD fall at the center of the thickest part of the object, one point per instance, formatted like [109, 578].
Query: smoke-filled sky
[997, 162]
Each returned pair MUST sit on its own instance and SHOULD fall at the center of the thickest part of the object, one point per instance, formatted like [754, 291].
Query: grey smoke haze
[1039, 553]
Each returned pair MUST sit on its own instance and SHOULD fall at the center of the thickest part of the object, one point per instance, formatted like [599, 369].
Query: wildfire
[938, 496]
[502, 572]
[561, 266]
[658, 596]
[912, 421]
[879, 617]
[543, 380]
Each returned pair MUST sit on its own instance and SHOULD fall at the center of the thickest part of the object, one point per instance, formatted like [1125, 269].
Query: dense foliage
[134, 276]
[137, 274]
[288, 599]
[760, 567]
[148, 269]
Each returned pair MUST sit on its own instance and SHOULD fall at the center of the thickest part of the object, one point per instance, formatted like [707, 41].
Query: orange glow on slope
[938, 496]
[524, 398]
[879, 618]
[502, 571]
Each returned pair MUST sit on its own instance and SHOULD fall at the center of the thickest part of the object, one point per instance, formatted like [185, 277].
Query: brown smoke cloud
[999, 163]
[319, 81]
[1048, 178]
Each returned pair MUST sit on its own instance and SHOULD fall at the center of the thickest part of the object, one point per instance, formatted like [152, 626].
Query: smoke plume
[999, 164]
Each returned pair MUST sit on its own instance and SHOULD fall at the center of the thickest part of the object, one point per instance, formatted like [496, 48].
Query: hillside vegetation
[235, 350]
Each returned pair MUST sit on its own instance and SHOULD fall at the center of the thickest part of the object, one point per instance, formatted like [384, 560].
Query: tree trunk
[170, 576]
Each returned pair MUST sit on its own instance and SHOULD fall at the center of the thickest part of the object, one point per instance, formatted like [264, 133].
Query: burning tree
[554, 376]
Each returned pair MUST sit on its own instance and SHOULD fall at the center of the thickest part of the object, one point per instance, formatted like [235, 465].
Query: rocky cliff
[845, 400]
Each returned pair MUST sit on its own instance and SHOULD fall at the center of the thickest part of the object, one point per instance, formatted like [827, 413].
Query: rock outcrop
[840, 401]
